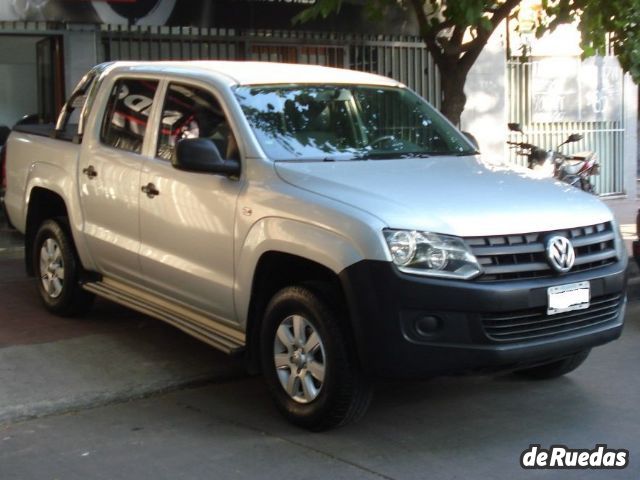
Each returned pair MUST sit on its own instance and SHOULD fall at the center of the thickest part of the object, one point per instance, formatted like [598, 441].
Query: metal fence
[403, 58]
[604, 136]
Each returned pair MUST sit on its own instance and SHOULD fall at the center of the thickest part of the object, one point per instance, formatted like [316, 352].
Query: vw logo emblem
[560, 254]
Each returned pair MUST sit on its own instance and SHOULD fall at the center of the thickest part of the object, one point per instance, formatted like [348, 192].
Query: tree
[602, 23]
[456, 31]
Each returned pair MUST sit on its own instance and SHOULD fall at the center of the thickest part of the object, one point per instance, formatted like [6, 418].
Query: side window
[127, 114]
[190, 112]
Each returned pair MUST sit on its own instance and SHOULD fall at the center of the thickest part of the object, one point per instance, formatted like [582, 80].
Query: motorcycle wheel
[572, 180]
[587, 186]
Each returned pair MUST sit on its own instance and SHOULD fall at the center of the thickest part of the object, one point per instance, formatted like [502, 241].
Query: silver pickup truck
[329, 225]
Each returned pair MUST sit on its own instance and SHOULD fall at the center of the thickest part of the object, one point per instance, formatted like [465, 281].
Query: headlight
[424, 253]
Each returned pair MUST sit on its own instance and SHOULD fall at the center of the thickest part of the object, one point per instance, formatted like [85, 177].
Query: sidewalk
[625, 210]
[50, 364]
[11, 244]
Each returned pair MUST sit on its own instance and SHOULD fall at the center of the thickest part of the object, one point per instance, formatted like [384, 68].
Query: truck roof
[260, 73]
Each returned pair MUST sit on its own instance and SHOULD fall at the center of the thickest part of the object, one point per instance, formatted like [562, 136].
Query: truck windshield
[347, 122]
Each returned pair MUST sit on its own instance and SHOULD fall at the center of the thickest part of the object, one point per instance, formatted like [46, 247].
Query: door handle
[150, 189]
[90, 172]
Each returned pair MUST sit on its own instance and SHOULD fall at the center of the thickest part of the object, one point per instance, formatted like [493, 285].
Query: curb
[98, 369]
[22, 413]
[11, 253]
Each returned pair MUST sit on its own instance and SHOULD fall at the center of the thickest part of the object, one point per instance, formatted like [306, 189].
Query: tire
[57, 269]
[556, 368]
[328, 388]
[572, 180]
[587, 186]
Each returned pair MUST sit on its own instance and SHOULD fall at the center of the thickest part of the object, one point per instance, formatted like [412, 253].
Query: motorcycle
[575, 169]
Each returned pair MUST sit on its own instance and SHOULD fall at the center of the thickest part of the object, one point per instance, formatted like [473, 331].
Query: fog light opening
[427, 325]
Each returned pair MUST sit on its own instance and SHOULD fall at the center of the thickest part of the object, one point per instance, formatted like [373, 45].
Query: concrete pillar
[80, 53]
[485, 115]
[630, 111]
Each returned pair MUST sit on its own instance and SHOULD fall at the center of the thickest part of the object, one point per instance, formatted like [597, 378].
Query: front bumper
[410, 326]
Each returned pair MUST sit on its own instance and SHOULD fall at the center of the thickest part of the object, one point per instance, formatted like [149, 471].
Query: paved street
[459, 427]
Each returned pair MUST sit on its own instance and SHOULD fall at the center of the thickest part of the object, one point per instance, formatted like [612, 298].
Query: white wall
[18, 77]
[18, 87]
[485, 115]
[80, 54]
[630, 109]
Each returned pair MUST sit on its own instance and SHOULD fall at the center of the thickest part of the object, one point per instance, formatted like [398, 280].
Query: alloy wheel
[299, 357]
[51, 268]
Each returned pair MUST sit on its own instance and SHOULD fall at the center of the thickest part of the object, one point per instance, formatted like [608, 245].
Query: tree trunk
[453, 96]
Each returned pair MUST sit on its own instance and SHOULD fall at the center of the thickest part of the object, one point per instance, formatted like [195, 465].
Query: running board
[216, 334]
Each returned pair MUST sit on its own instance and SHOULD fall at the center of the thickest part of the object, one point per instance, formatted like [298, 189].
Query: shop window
[127, 114]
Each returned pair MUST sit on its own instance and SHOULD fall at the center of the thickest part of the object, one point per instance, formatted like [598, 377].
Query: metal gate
[550, 109]
[403, 58]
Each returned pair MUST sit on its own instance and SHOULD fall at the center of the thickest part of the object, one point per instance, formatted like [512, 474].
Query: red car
[3, 170]
[4, 134]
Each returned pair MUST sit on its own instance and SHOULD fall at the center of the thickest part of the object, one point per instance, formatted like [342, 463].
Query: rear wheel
[556, 368]
[57, 268]
[587, 186]
[309, 363]
[572, 180]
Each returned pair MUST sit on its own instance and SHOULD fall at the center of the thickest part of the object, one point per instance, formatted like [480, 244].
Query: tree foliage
[456, 31]
[602, 23]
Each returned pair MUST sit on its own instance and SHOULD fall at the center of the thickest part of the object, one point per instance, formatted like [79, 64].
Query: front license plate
[565, 298]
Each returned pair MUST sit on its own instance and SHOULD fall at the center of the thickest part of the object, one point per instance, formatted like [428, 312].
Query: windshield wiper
[454, 154]
[311, 159]
[390, 155]
[467, 153]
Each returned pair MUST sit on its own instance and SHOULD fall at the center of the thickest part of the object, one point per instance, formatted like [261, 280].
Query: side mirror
[472, 139]
[574, 137]
[515, 127]
[202, 155]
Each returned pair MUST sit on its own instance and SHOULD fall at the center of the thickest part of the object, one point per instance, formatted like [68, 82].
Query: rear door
[109, 177]
[187, 218]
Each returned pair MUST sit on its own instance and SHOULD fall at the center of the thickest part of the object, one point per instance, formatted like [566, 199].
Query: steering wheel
[383, 138]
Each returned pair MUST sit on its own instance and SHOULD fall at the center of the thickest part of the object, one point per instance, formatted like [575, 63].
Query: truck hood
[451, 195]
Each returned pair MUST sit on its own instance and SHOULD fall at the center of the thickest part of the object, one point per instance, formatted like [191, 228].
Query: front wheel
[309, 363]
[556, 368]
[57, 267]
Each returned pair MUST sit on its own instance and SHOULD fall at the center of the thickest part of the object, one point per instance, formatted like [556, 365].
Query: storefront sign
[136, 12]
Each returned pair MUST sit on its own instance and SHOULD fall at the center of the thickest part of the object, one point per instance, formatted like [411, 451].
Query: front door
[110, 168]
[187, 218]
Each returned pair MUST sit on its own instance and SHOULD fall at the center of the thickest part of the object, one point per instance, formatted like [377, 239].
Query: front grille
[535, 323]
[511, 257]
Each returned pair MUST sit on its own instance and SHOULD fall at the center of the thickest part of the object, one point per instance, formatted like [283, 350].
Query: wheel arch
[274, 271]
[277, 252]
[42, 204]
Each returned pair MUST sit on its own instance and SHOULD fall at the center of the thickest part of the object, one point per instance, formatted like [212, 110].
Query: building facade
[47, 45]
